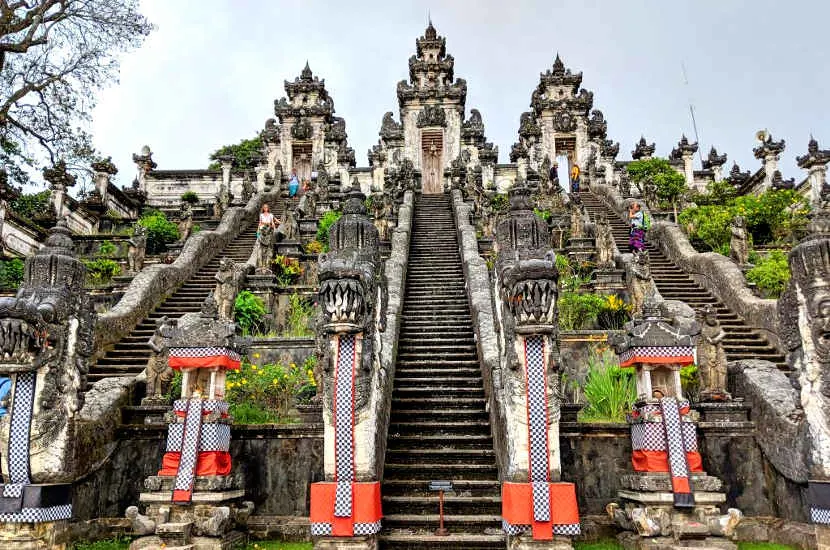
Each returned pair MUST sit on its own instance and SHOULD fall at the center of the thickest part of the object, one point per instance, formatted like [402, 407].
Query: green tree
[54, 56]
[31, 205]
[670, 184]
[243, 154]
[160, 231]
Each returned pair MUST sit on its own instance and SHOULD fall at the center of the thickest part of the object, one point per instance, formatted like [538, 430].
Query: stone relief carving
[158, 372]
[563, 121]
[711, 357]
[229, 280]
[432, 115]
[739, 241]
[264, 250]
[137, 248]
[641, 286]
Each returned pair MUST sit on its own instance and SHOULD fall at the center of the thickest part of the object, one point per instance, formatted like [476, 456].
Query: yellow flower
[243, 381]
[253, 367]
[256, 356]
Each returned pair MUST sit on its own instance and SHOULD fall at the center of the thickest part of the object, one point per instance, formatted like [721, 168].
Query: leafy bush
[32, 206]
[670, 184]
[248, 312]
[300, 311]
[190, 196]
[11, 273]
[717, 193]
[117, 543]
[325, 223]
[614, 313]
[775, 216]
[689, 382]
[500, 202]
[315, 247]
[609, 390]
[579, 311]
[572, 277]
[287, 270]
[107, 248]
[243, 154]
[100, 271]
[263, 394]
[770, 274]
[160, 231]
[544, 215]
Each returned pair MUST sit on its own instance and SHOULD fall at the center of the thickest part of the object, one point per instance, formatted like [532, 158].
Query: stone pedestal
[581, 250]
[49, 535]
[609, 281]
[369, 542]
[525, 542]
[290, 248]
[723, 411]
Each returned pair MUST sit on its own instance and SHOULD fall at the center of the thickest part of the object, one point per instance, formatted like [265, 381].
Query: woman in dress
[293, 183]
[575, 178]
[267, 218]
[637, 233]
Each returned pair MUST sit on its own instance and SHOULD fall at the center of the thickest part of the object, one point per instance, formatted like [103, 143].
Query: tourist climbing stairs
[439, 428]
[129, 356]
[741, 342]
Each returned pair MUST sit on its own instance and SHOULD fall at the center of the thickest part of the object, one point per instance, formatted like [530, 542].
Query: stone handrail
[381, 397]
[155, 282]
[477, 279]
[714, 271]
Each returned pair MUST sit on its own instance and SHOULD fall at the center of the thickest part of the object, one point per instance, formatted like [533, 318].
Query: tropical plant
[717, 193]
[190, 196]
[689, 382]
[500, 202]
[298, 316]
[107, 248]
[614, 313]
[11, 273]
[326, 221]
[243, 154]
[249, 312]
[160, 231]
[579, 311]
[268, 391]
[54, 56]
[610, 391]
[771, 274]
[315, 247]
[287, 270]
[544, 215]
[116, 543]
[669, 183]
[32, 206]
[100, 271]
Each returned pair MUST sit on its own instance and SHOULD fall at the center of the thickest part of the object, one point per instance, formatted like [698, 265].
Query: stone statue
[650, 194]
[307, 207]
[625, 184]
[379, 213]
[264, 249]
[604, 243]
[185, 221]
[229, 281]
[159, 374]
[289, 229]
[711, 358]
[322, 183]
[247, 187]
[577, 227]
[221, 201]
[560, 227]
[137, 249]
[739, 243]
[641, 286]
[488, 218]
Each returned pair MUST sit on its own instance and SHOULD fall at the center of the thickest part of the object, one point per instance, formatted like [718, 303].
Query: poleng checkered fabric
[689, 436]
[536, 409]
[569, 530]
[21, 421]
[367, 528]
[208, 406]
[648, 436]
[215, 437]
[204, 352]
[344, 425]
[541, 500]
[678, 465]
[320, 529]
[190, 446]
[820, 515]
[39, 515]
[513, 530]
[656, 352]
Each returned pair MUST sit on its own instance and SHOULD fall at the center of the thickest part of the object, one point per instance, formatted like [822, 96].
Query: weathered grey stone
[662, 482]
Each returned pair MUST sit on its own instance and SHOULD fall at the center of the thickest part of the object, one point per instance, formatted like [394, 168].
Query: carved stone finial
[58, 176]
[642, 149]
[105, 166]
[306, 75]
[714, 159]
[769, 148]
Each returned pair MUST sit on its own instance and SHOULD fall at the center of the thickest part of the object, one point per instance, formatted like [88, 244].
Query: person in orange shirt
[575, 178]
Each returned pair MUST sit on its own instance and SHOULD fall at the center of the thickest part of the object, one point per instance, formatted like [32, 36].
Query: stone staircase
[439, 428]
[129, 356]
[741, 342]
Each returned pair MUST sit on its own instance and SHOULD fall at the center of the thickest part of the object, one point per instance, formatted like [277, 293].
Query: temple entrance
[432, 149]
[301, 155]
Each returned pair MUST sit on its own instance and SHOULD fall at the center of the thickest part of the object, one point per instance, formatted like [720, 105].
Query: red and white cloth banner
[679, 355]
[345, 508]
[202, 358]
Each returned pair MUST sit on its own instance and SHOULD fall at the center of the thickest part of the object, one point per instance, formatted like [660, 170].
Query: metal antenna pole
[692, 112]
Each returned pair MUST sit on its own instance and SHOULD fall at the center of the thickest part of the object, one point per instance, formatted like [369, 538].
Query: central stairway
[129, 356]
[439, 428]
[741, 342]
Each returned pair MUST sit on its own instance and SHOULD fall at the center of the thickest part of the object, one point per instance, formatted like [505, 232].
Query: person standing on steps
[554, 174]
[293, 183]
[637, 233]
[266, 218]
[575, 179]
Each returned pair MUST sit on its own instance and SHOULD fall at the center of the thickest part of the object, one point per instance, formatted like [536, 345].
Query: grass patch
[763, 546]
[604, 544]
[277, 545]
[118, 543]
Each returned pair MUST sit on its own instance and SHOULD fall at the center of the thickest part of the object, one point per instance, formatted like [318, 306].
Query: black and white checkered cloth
[205, 352]
[537, 426]
[208, 406]
[21, 421]
[321, 529]
[570, 530]
[215, 437]
[820, 515]
[190, 446]
[656, 351]
[39, 515]
[367, 528]
[344, 425]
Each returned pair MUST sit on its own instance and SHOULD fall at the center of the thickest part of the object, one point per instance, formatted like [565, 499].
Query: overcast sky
[209, 74]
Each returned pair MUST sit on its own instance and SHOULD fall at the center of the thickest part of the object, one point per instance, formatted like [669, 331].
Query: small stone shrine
[195, 501]
[669, 501]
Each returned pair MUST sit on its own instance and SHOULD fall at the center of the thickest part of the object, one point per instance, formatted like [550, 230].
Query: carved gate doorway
[432, 172]
[301, 155]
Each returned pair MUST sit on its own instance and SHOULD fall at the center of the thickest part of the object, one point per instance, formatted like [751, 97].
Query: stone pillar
[345, 508]
[768, 152]
[59, 181]
[815, 162]
[144, 163]
[103, 170]
[538, 509]
[669, 498]
[226, 162]
[195, 500]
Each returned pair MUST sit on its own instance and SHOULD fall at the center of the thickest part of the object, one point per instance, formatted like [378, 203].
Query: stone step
[444, 455]
[419, 487]
[456, 541]
[440, 427]
[436, 470]
[454, 504]
[439, 415]
[426, 402]
[443, 391]
[455, 523]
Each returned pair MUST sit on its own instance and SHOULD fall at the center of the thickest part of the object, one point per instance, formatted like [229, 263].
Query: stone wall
[155, 282]
[715, 272]
[273, 350]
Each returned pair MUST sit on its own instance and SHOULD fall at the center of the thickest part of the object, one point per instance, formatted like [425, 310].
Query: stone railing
[155, 282]
[715, 272]
[477, 278]
[395, 271]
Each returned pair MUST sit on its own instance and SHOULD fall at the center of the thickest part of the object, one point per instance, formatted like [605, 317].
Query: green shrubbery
[669, 183]
[770, 274]
[609, 390]
[100, 271]
[32, 206]
[190, 196]
[265, 394]
[579, 311]
[249, 313]
[323, 226]
[160, 231]
[298, 317]
[775, 216]
[11, 273]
